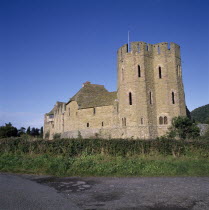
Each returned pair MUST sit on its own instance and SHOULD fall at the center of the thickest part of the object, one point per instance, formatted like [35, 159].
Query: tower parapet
[143, 48]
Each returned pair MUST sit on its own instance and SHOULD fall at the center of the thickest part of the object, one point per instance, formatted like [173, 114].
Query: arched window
[165, 120]
[150, 97]
[139, 71]
[130, 98]
[160, 72]
[173, 98]
[160, 120]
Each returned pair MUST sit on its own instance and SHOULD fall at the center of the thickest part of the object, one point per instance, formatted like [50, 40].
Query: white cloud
[22, 119]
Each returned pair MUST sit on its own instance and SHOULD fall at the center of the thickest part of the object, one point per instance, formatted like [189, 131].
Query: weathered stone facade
[149, 94]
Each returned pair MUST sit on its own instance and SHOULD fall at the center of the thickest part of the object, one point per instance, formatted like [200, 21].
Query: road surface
[143, 193]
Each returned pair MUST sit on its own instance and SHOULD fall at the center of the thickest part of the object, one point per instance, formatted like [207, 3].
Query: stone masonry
[149, 94]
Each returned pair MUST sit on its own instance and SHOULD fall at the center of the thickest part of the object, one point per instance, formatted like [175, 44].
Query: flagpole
[128, 42]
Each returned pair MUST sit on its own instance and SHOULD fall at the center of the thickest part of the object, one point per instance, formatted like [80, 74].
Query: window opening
[139, 71]
[165, 120]
[160, 72]
[142, 121]
[94, 111]
[130, 98]
[87, 125]
[102, 124]
[173, 98]
[150, 97]
[160, 120]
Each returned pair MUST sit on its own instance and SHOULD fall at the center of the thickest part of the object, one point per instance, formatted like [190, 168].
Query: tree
[201, 114]
[183, 127]
[28, 130]
[33, 132]
[21, 131]
[8, 130]
[37, 132]
[41, 132]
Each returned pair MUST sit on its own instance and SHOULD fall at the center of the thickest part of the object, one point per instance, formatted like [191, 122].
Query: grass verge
[104, 165]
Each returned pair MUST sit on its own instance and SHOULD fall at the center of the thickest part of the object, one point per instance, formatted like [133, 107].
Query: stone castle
[149, 94]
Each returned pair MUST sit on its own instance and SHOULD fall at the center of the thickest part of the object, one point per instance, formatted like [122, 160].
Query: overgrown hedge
[114, 147]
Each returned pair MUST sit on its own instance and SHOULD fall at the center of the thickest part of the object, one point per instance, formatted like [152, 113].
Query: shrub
[57, 136]
[183, 127]
[113, 147]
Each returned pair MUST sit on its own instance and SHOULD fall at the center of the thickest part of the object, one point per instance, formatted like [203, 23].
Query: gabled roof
[92, 95]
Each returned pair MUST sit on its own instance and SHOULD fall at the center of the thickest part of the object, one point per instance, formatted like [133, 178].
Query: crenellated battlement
[144, 48]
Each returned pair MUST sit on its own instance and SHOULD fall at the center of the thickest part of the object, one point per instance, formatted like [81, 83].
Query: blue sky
[48, 48]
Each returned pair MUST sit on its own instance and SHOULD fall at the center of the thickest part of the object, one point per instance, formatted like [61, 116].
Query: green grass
[99, 157]
[104, 165]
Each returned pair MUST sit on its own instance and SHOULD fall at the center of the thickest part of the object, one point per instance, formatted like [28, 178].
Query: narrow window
[139, 71]
[165, 120]
[142, 121]
[102, 124]
[179, 70]
[124, 121]
[94, 111]
[130, 98]
[160, 120]
[158, 49]
[87, 125]
[173, 98]
[150, 97]
[160, 72]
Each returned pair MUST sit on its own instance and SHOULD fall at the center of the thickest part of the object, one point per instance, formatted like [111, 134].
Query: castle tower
[150, 88]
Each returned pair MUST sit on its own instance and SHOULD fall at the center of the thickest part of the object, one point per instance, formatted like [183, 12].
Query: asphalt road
[154, 193]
